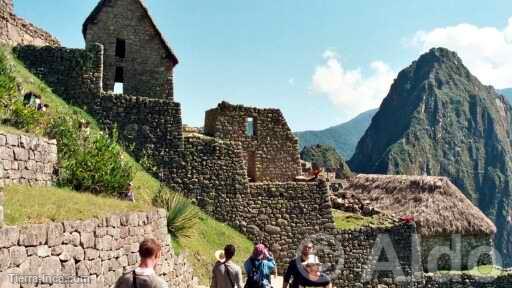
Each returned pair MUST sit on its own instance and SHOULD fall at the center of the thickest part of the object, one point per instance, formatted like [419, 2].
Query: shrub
[8, 90]
[182, 215]
[91, 161]
[24, 117]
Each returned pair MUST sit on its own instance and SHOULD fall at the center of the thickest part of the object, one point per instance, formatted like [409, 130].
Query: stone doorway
[251, 166]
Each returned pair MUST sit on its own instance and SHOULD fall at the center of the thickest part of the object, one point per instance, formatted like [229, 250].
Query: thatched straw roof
[438, 206]
[96, 12]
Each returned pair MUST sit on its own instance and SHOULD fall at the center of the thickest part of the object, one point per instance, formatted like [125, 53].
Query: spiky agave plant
[182, 215]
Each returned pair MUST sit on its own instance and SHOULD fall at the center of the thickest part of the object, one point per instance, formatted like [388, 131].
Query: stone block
[5, 259]
[55, 234]
[68, 268]
[75, 238]
[91, 254]
[104, 243]
[12, 140]
[43, 251]
[87, 239]
[9, 237]
[6, 153]
[20, 154]
[33, 235]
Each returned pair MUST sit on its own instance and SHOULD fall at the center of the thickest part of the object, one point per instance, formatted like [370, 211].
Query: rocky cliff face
[438, 119]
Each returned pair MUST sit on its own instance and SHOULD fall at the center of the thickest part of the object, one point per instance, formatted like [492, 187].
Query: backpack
[254, 277]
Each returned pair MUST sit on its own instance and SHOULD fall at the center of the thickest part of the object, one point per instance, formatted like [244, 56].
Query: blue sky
[321, 62]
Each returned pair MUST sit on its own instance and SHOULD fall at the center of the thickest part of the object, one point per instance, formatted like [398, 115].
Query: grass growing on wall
[350, 221]
[479, 271]
[210, 236]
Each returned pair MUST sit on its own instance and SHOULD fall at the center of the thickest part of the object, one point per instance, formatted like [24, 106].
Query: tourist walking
[259, 268]
[293, 272]
[144, 275]
[225, 273]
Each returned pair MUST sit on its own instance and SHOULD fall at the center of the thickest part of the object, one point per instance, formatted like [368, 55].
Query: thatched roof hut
[438, 206]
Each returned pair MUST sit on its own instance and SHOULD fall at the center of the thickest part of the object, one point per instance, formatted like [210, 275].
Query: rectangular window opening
[249, 127]
[119, 81]
[118, 88]
[120, 48]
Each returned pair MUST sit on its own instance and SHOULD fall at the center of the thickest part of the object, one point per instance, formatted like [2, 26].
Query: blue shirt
[266, 267]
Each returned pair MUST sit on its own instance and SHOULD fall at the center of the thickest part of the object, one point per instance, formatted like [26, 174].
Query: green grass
[25, 204]
[350, 221]
[211, 236]
[9, 129]
[479, 271]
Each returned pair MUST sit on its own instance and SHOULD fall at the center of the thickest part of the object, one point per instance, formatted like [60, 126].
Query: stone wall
[148, 62]
[15, 30]
[73, 74]
[151, 126]
[283, 214]
[360, 251]
[6, 5]
[468, 281]
[27, 160]
[213, 174]
[460, 247]
[100, 248]
[271, 154]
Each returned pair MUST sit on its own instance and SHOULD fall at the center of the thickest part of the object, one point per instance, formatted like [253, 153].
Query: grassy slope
[211, 236]
[25, 204]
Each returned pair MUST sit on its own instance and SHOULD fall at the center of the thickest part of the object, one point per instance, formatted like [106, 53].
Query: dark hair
[149, 248]
[229, 251]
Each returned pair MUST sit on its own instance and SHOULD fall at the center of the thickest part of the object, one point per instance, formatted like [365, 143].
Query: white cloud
[330, 53]
[291, 81]
[486, 51]
[350, 90]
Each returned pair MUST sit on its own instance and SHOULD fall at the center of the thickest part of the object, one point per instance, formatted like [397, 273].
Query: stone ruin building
[270, 148]
[136, 55]
[443, 215]
[15, 30]
[240, 171]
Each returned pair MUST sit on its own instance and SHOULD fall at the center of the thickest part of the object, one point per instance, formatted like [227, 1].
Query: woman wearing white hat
[312, 275]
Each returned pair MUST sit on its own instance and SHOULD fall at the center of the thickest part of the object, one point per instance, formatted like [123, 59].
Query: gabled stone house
[136, 54]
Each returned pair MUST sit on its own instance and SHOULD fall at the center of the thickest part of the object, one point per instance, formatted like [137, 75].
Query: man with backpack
[226, 274]
[144, 276]
[259, 268]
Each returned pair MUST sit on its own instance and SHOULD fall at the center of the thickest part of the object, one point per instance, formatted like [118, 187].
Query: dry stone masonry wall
[362, 248]
[15, 30]
[212, 173]
[73, 74]
[27, 160]
[283, 214]
[271, 153]
[152, 126]
[99, 249]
